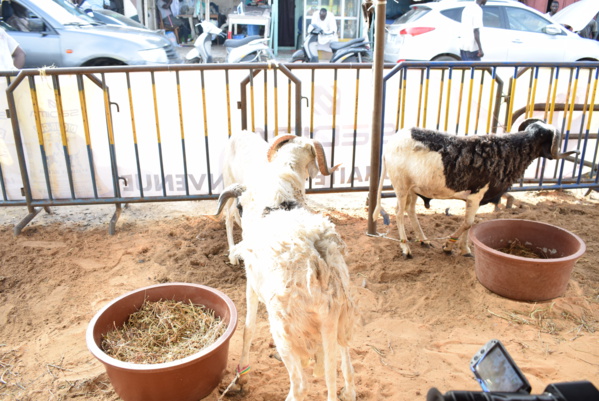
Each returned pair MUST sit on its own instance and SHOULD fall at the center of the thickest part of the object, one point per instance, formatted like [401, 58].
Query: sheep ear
[313, 169]
[528, 122]
[279, 141]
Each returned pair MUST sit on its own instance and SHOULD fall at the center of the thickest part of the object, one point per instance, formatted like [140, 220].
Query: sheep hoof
[347, 395]
[447, 251]
[468, 255]
[235, 389]
[276, 356]
[425, 244]
[407, 255]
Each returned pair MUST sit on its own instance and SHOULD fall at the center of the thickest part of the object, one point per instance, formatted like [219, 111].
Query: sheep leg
[348, 393]
[414, 220]
[509, 201]
[298, 386]
[248, 332]
[230, 216]
[297, 382]
[319, 363]
[461, 234]
[329, 343]
[403, 238]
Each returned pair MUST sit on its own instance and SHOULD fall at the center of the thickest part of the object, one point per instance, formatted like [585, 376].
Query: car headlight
[154, 55]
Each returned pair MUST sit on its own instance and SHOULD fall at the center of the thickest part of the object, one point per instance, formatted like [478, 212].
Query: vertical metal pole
[182, 128]
[376, 132]
[353, 157]
[334, 125]
[243, 124]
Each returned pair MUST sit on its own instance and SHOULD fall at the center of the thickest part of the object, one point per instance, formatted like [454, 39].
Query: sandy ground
[421, 320]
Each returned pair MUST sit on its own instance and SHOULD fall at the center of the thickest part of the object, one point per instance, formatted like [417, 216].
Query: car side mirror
[552, 30]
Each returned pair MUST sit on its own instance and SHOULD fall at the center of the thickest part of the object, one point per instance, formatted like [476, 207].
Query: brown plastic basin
[188, 379]
[521, 278]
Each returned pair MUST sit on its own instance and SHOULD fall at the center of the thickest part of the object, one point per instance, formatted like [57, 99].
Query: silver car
[61, 35]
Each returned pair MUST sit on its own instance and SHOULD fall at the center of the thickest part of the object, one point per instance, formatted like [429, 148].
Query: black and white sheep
[476, 169]
[289, 158]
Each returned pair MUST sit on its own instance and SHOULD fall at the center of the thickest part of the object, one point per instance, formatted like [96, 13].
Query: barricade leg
[32, 213]
[115, 218]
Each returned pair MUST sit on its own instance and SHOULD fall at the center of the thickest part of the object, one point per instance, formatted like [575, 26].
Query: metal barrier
[482, 107]
[117, 135]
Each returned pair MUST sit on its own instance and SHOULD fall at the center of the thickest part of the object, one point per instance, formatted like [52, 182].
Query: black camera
[502, 380]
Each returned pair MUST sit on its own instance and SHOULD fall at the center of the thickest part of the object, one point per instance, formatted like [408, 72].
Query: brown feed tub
[188, 379]
[522, 278]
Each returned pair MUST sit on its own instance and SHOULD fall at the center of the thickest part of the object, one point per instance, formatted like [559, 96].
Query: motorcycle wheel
[299, 57]
[258, 57]
[250, 58]
[364, 58]
[267, 56]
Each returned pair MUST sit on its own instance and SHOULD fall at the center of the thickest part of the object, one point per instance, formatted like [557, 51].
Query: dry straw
[163, 331]
[516, 248]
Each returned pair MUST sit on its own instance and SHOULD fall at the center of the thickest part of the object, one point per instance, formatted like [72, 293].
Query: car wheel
[445, 57]
[103, 62]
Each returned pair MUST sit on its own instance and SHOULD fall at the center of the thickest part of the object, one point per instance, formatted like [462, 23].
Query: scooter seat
[340, 45]
[240, 42]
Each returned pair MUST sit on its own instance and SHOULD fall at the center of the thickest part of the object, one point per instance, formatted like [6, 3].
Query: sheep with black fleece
[477, 169]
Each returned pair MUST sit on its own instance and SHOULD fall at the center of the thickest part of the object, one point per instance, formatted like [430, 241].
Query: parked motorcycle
[352, 51]
[251, 49]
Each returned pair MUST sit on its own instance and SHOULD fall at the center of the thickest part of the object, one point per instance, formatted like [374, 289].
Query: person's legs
[469, 56]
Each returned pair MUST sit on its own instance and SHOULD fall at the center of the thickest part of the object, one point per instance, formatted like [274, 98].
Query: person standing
[553, 8]
[12, 56]
[471, 48]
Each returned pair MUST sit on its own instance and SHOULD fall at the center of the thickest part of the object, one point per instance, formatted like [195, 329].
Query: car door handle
[517, 41]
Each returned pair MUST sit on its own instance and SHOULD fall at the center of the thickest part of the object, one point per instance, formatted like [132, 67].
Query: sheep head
[535, 124]
[321, 160]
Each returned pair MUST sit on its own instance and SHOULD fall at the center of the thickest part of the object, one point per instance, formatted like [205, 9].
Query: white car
[512, 32]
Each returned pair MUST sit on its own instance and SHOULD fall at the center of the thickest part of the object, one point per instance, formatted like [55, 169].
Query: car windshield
[524, 20]
[66, 13]
[116, 18]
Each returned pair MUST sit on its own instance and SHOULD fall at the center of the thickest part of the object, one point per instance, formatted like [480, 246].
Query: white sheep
[477, 169]
[294, 264]
[291, 158]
